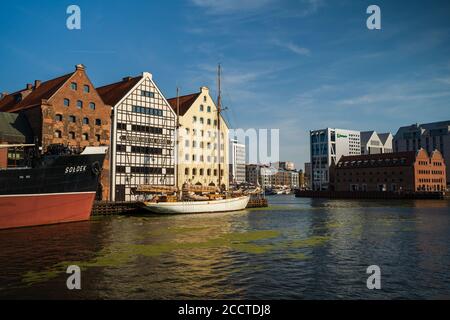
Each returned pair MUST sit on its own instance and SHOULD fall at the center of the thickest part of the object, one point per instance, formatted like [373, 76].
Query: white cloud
[230, 6]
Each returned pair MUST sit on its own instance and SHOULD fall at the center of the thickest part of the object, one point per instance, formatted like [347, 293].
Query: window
[202, 108]
[85, 137]
[72, 119]
[97, 137]
[98, 122]
[121, 126]
[194, 172]
[209, 109]
[208, 172]
[72, 135]
[86, 88]
[186, 171]
[209, 122]
[79, 104]
[202, 120]
[194, 119]
[186, 157]
[66, 102]
[147, 94]
[85, 120]
[74, 86]
[186, 143]
[204, 98]
[148, 111]
[58, 134]
[58, 117]
[215, 122]
[201, 172]
[92, 105]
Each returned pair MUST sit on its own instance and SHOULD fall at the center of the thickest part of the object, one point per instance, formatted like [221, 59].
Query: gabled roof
[384, 136]
[44, 91]
[14, 128]
[111, 94]
[366, 136]
[185, 102]
[396, 159]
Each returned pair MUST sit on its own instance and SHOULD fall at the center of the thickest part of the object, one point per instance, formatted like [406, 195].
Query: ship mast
[219, 110]
[177, 128]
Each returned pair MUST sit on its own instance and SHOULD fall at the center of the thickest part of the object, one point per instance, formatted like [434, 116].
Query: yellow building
[201, 150]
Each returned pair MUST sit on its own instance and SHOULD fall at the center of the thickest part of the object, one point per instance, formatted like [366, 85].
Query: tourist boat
[194, 199]
[57, 187]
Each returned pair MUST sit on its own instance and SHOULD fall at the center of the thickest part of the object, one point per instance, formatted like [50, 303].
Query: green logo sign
[341, 135]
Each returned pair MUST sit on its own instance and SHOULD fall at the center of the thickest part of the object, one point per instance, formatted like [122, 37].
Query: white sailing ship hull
[226, 205]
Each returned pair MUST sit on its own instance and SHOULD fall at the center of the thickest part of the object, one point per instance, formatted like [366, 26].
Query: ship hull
[57, 189]
[34, 210]
[187, 207]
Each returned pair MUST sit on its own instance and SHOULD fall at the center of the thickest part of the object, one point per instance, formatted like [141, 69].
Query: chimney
[127, 78]
[80, 67]
[37, 83]
[29, 86]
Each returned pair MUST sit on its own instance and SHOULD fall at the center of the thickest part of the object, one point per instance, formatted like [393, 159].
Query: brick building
[65, 110]
[402, 171]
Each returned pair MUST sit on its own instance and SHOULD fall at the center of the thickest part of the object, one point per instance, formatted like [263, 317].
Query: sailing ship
[59, 186]
[194, 199]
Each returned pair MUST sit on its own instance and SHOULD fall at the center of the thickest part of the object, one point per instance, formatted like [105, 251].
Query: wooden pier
[106, 208]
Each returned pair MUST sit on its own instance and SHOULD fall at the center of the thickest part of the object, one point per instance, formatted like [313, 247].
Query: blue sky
[294, 65]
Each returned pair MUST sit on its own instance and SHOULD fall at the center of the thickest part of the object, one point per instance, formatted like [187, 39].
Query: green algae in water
[121, 254]
[309, 242]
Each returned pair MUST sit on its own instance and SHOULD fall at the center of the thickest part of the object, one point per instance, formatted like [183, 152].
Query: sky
[290, 65]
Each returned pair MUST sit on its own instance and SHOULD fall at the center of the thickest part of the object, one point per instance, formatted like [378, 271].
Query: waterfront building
[409, 171]
[285, 165]
[202, 149]
[429, 136]
[237, 162]
[286, 178]
[374, 143]
[14, 130]
[64, 110]
[308, 175]
[327, 147]
[301, 179]
[142, 139]
[261, 175]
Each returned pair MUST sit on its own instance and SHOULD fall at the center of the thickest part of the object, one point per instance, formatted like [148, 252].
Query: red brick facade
[65, 110]
[402, 171]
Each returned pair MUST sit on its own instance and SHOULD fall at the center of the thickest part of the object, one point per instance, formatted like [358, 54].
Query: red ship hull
[34, 210]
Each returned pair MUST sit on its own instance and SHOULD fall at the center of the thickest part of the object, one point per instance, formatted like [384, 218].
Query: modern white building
[327, 147]
[376, 143]
[142, 136]
[429, 136]
[237, 162]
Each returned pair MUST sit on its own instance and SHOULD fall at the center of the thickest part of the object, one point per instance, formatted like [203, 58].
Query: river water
[295, 249]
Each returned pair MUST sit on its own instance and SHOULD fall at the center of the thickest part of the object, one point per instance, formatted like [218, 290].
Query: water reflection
[297, 248]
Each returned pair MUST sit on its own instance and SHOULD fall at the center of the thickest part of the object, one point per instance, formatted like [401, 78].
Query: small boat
[183, 207]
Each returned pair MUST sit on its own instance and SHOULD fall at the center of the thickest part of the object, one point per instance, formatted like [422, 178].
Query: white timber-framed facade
[142, 136]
